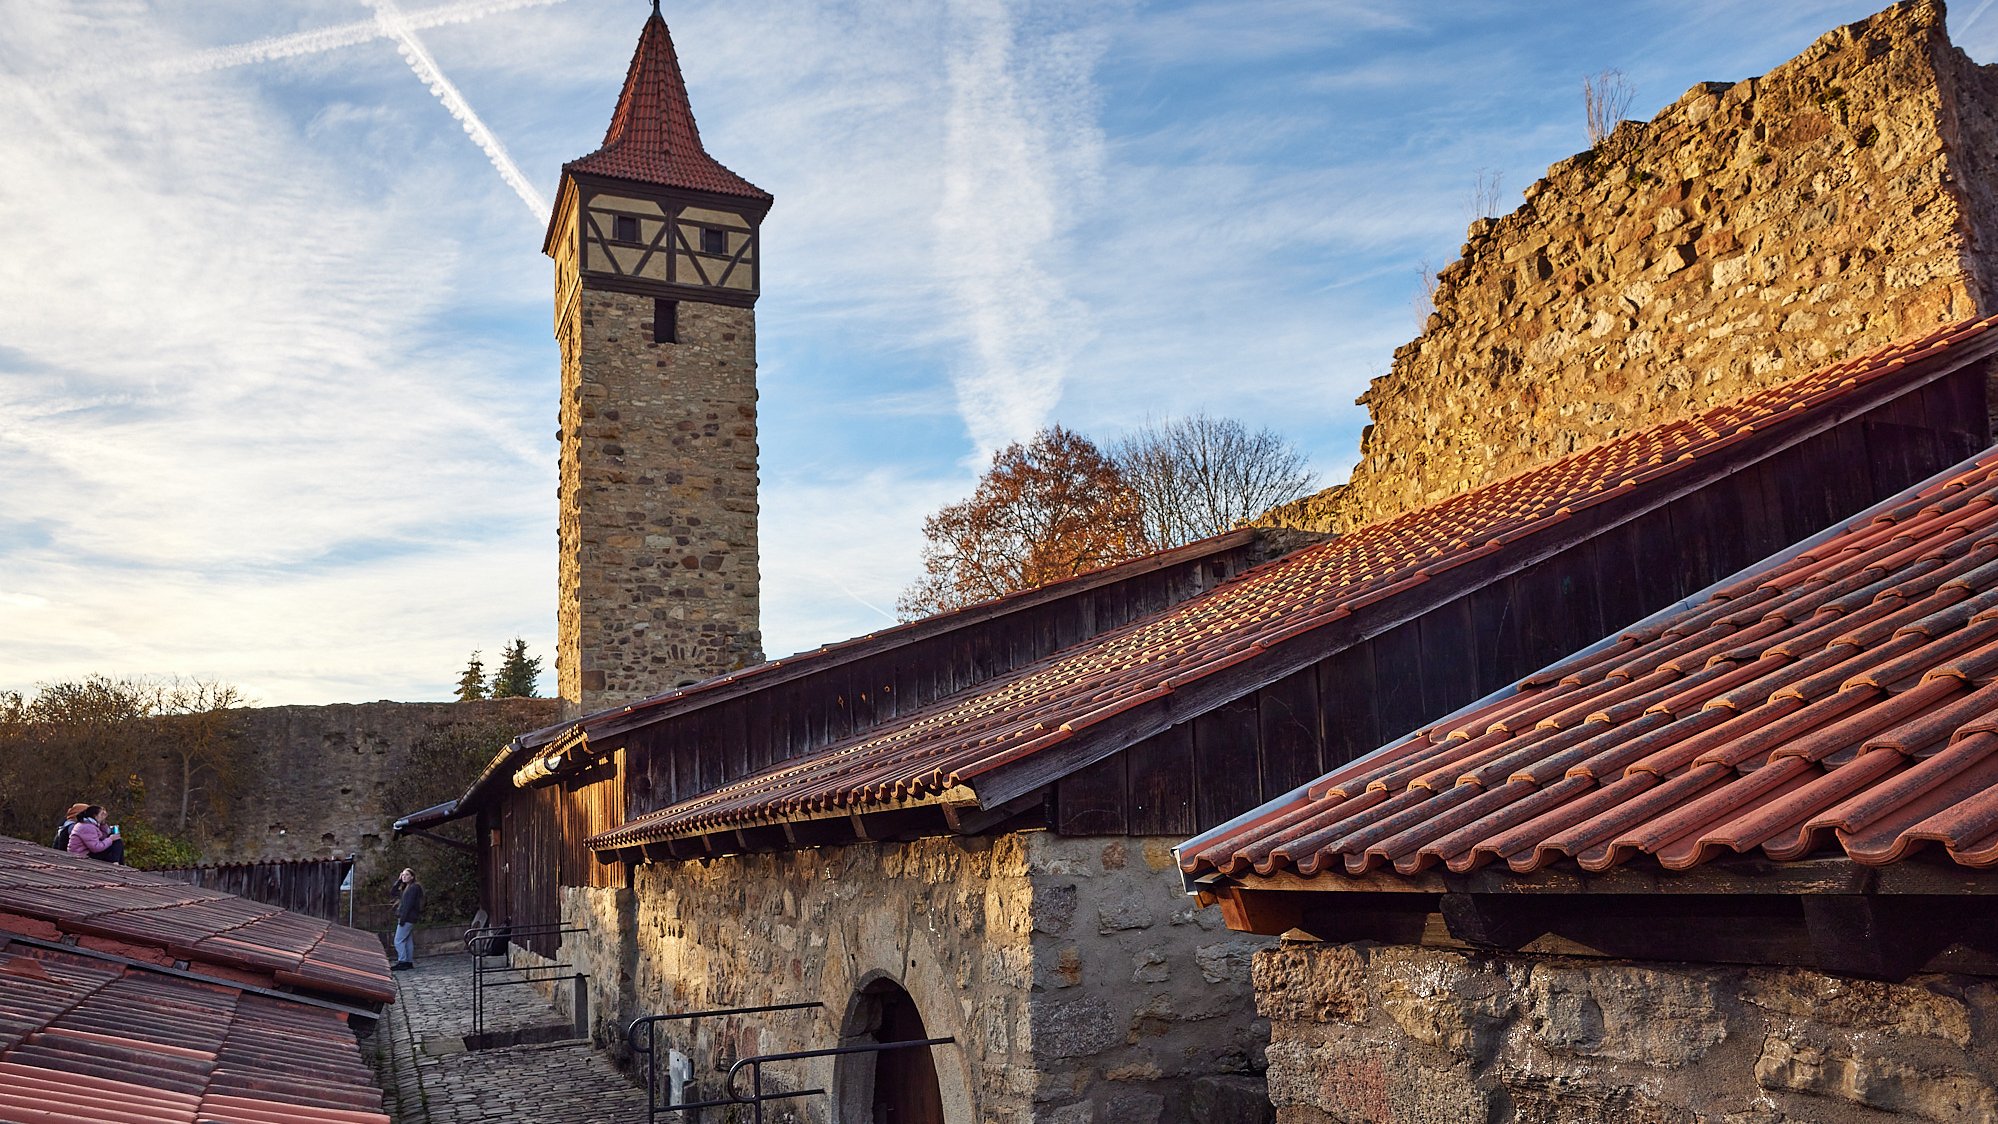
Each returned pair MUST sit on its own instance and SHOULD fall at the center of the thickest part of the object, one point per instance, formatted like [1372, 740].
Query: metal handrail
[651, 1047]
[480, 970]
[755, 1064]
[510, 931]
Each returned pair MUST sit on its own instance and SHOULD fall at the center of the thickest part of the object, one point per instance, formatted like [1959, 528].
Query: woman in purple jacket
[90, 837]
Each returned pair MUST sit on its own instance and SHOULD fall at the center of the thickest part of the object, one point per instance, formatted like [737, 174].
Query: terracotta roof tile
[1868, 728]
[652, 136]
[95, 899]
[83, 1039]
[956, 743]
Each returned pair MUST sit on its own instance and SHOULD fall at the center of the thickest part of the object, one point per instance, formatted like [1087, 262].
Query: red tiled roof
[974, 735]
[86, 1040]
[47, 893]
[1844, 700]
[764, 676]
[652, 136]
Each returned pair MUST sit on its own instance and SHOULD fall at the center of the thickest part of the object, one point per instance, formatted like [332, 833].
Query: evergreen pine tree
[472, 683]
[519, 674]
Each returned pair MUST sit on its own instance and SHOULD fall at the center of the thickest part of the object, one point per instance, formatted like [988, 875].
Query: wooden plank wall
[541, 847]
[1223, 763]
[695, 752]
[531, 865]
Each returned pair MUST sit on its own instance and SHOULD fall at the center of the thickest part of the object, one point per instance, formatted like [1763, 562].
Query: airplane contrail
[394, 24]
[332, 38]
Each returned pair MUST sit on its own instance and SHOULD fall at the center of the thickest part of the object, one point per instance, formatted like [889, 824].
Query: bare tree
[1487, 193]
[1424, 301]
[1605, 97]
[200, 740]
[1047, 510]
[1199, 476]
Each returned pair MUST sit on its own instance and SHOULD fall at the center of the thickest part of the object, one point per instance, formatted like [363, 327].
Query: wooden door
[905, 1081]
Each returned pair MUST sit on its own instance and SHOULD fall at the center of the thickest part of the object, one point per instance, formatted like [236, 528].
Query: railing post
[651, 1073]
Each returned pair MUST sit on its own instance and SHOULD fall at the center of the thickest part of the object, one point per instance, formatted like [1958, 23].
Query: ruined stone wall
[1361, 1034]
[658, 499]
[314, 777]
[1746, 235]
[1079, 984]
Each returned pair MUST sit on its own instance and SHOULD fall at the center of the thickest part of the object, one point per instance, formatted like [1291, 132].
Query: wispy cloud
[389, 15]
[234, 420]
[317, 41]
[1021, 153]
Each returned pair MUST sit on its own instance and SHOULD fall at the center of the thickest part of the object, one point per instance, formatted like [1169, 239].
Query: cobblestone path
[430, 1078]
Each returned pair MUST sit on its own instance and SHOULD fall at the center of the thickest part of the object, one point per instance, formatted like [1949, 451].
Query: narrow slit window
[713, 241]
[624, 228]
[665, 321]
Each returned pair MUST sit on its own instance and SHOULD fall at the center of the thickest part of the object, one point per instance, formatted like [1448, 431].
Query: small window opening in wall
[713, 241]
[625, 228]
[665, 321]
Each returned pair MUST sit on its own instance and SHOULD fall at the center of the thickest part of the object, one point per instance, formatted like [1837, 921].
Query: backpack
[62, 836]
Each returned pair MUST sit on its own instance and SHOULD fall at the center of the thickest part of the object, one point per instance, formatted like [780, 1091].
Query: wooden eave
[756, 209]
[951, 814]
[1828, 914]
[564, 193]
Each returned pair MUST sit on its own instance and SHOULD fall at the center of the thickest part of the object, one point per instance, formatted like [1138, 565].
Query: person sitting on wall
[69, 819]
[90, 837]
[408, 911]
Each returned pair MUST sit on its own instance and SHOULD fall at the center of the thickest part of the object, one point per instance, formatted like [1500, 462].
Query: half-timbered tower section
[1740, 854]
[656, 276]
[974, 815]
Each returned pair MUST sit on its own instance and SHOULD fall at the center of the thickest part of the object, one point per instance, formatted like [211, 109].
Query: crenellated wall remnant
[1745, 235]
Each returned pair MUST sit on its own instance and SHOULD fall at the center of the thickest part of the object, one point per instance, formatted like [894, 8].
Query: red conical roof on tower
[652, 136]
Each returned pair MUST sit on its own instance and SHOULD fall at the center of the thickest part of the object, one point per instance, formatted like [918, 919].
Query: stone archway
[894, 1086]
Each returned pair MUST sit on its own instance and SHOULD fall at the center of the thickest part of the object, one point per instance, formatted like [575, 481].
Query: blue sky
[277, 385]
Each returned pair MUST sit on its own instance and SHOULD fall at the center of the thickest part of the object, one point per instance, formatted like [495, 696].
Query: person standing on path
[408, 911]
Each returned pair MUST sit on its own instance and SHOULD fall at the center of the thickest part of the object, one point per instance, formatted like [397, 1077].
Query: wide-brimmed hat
[75, 810]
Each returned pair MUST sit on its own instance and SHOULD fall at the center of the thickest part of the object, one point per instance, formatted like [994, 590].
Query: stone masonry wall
[1079, 984]
[1746, 235]
[1368, 1034]
[658, 574]
[1141, 1011]
[313, 787]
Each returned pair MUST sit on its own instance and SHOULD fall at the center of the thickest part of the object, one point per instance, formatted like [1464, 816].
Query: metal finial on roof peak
[655, 7]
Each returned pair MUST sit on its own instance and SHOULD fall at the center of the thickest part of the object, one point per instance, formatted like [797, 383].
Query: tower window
[624, 229]
[665, 321]
[713, 241]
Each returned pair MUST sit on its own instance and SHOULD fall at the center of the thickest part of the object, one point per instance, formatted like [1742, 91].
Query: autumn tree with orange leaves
[1050, 509]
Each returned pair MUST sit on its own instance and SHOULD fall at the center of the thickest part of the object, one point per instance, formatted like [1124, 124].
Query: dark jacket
[409, 904]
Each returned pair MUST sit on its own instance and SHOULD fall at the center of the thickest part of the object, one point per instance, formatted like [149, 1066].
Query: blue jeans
[405, 942]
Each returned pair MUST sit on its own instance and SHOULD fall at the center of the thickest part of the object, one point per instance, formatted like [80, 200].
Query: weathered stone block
[1075, 1028]
[1311, 983]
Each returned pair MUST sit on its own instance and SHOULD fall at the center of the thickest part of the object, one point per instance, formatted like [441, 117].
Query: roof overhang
[1828, 914]
[430, 817]
[956, 812]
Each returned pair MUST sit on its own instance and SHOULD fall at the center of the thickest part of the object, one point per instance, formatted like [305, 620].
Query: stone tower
[656, 276]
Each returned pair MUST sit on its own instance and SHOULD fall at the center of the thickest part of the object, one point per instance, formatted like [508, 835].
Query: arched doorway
[893, 1086]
